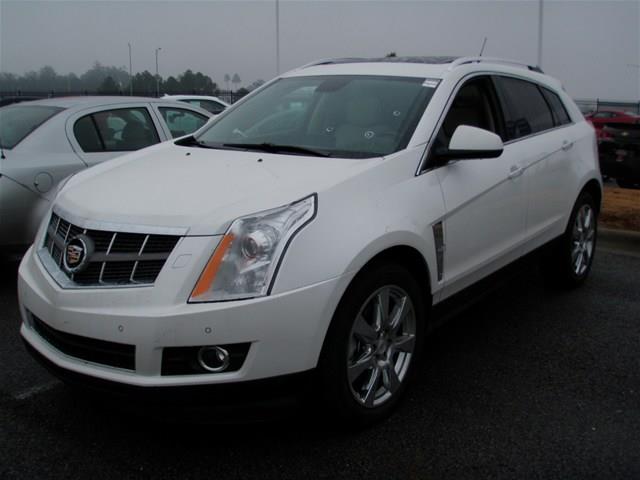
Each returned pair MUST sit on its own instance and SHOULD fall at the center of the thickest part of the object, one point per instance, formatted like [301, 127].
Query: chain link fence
[597, 104]
[227, 96]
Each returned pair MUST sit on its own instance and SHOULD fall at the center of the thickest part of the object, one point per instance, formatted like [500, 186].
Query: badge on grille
[77, 252]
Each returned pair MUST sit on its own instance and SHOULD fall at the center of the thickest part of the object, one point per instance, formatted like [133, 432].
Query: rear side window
[526, 111]
[560, 115]
[182, 122]
[18, 121]
[120, 130]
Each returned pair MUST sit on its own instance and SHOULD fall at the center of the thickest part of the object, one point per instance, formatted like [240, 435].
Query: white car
[44, 141]
[265, 249]
[212, 105]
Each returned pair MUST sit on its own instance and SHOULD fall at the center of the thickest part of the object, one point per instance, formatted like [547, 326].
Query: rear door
[106, 132]
[541, 140]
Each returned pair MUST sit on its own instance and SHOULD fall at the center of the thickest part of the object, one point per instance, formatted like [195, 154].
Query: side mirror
[472, 143]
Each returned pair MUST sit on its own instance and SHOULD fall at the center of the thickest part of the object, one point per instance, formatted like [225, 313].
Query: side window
[87, 135]
[526, 110]
[560, 115]
[182, 122]
[474, 105]
[211, 106]
[208, 105]
[120, 130]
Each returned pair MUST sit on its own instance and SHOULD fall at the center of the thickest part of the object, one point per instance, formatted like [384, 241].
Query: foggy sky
[587, 44]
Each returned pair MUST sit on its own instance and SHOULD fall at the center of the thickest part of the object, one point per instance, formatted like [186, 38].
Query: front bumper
[285, 331]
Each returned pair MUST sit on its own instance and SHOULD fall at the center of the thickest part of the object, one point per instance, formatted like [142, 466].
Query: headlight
[245, 261]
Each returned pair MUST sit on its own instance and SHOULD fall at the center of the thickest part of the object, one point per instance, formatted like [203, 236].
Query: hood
[199, 190]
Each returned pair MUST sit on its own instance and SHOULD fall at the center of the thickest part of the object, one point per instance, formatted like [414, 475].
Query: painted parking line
[30, 392]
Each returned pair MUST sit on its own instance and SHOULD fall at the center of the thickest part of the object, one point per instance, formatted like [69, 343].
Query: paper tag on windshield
[430, 83]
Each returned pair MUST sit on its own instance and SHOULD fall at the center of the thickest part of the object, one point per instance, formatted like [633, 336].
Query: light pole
[540, 20]
[277, 37]
[130, 72]
[157, 76]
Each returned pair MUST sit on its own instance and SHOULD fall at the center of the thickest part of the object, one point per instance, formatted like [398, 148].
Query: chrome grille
[119, 258]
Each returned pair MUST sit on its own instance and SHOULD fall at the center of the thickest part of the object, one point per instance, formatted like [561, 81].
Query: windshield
[18, 121]
[352, 116]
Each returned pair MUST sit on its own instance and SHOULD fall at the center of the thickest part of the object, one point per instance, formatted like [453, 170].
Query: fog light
[213, 359]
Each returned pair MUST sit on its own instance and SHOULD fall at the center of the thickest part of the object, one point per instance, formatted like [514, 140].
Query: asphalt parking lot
[529, 383]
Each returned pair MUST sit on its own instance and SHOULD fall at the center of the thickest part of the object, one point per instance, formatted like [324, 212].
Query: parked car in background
[601, 118]
[619, 151]
[260, 251]
[211, 104]
[45, 141]
[4, 101]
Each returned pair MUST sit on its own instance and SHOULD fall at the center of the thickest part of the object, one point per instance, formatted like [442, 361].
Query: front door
[484, 198]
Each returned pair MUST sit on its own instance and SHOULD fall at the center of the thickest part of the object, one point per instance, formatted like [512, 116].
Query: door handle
[515, 171]
[566, 145]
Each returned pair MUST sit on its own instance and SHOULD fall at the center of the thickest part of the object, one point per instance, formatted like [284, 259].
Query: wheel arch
[594, 188]
[410, 258]
[403, 254]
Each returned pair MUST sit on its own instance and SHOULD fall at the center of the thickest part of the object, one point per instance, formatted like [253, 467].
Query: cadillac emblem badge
[77, 252]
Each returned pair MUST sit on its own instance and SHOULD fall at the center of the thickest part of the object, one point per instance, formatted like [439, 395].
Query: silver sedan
[44, 141]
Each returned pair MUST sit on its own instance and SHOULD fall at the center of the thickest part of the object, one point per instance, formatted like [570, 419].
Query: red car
[602, 117]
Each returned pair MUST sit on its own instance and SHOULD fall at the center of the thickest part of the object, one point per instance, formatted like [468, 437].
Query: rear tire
[373, 345]
[568, 262]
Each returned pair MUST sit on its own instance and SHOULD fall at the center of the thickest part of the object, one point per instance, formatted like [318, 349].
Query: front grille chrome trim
[119, 259]
[118, 227]
[65, 282]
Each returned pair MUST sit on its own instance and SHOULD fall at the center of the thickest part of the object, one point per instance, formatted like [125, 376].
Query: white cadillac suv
[311, 227]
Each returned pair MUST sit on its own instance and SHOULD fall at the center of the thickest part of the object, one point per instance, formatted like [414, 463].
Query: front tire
[569, 262]
[373, 344]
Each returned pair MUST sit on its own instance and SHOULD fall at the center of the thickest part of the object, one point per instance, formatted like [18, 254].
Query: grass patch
[621, 208]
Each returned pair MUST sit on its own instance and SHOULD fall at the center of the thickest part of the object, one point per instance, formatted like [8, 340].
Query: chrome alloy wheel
[381, 345]
[583, 239]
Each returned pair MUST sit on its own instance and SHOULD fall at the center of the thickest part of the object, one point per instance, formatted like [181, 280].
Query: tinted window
[526, 110]
[87, 135]
[18, 121]
[560, 115]
[473, 105]
[182, 122]
[121, 130]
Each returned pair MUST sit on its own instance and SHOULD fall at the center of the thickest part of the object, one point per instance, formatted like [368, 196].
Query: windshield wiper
[191, 141]
[275, 148]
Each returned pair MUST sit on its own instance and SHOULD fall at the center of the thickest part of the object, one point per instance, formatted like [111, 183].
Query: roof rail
[322, 61]
[466, 60]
